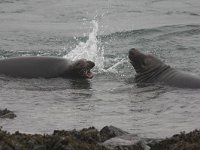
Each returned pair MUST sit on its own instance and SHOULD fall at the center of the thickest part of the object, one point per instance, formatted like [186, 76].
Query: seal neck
[69, 72]
[151, 75]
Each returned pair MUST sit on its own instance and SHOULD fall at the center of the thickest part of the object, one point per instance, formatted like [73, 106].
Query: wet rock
[109, 132]
[5, 147]
[5, 113]
[182, 141]
[91, 139]
[86, 139]
[89, 135]
[116, 139]
[127, 142]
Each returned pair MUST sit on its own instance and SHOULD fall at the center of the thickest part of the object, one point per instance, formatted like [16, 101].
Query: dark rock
[182, 141]
[117, 139]
[86, 139]
[109, 132]
[5, 113]
[90, 139]
[39, 147]
[5, 147]
[89, 135]
[127, 142]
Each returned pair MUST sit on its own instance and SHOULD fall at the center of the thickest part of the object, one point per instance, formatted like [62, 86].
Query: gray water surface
[169, 29]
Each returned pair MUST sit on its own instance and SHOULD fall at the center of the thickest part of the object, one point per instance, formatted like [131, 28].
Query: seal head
[143, 62]
[150, 69]
[81, 69]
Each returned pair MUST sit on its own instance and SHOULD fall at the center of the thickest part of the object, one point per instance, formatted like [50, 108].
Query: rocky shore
[182, 141]
[108, 138]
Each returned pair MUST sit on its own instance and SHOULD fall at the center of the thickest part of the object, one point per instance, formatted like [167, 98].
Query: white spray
[90, 49]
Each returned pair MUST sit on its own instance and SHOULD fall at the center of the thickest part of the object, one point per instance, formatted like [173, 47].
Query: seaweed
[182, 141]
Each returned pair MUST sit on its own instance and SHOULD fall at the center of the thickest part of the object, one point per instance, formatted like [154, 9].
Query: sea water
[101, 31]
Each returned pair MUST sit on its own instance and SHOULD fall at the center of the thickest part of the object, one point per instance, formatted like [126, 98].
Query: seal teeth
[89, 74]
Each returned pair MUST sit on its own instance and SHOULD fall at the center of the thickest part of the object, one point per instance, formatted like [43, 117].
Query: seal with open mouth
[150, 69]
[46, 67]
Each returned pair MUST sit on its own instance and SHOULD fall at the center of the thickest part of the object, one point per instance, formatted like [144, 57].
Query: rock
[5, 147]
[182, 141]
[5, 113]
[90, 139]
[86, 139]
[41, 147]
[109, 132]
[126, 142]
[89, 135]
[116, 139]
[10, 115]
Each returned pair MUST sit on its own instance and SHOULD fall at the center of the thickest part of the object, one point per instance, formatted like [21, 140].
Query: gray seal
[46, 67]
[150, 69]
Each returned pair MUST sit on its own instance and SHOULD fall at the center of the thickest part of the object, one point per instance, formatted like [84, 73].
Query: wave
[6, 1]
[163, 30]
[192, 29]
[183, 13]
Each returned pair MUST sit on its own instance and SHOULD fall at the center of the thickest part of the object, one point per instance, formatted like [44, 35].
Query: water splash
[113, 68]
[90, 49]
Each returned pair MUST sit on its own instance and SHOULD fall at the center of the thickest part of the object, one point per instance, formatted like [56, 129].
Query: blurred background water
[102, 31]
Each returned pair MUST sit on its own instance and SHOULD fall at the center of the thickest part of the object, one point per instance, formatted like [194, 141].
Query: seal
[46, 67]
[150, 69]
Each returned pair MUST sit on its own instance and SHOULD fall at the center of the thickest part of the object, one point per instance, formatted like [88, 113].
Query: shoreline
[108, 138]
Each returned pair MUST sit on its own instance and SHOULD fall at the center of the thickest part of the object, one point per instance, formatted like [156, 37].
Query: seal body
[149, 69]
[44, 67]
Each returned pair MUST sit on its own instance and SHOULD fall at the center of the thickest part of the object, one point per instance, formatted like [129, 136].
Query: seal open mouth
[87, 71]
[88, 74]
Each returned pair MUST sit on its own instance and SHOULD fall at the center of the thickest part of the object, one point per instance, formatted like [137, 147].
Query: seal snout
[87, 72]
[136, 54]
[91, 64]
[132, 53]
[137, 59]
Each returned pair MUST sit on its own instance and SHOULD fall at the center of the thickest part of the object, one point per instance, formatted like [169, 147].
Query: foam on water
[90, 49]
[113, 67]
